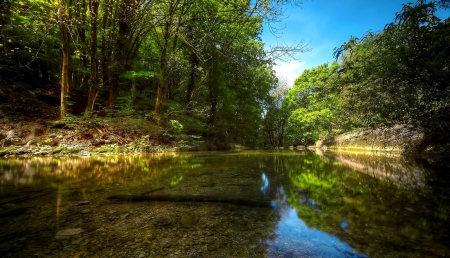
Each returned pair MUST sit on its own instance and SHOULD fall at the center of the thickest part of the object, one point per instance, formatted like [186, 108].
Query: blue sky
[326, 24]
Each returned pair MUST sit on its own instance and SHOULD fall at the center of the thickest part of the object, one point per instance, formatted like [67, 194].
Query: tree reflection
[365, 210]
[123, 171]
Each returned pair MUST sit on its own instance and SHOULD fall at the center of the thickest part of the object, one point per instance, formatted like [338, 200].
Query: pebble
[69, 232]
[213, 247]
[83, 203]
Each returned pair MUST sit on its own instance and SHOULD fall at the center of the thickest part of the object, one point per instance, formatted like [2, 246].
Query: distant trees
[400, 75]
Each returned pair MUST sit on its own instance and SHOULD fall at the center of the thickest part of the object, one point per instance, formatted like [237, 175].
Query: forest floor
[87, 137]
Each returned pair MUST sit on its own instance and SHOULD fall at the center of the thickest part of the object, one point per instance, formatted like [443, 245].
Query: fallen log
[193, 198]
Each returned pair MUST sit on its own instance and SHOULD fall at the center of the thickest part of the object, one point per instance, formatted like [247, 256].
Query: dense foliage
[198, 62]
[400, 75]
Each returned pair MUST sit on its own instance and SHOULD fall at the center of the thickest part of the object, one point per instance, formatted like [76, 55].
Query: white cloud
[289, 71]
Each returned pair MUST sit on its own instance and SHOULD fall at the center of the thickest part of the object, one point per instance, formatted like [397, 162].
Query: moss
[72, 150]
[59, 149]
[102, 149]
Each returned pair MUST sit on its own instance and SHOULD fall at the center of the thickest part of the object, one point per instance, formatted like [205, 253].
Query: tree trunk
[163, 85]
[120, 50]
[93, 88]
[81, 14]
[105, 53]
[65, 62]
[192, 76]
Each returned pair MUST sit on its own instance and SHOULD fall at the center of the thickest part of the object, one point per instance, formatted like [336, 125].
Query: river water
[223, 204]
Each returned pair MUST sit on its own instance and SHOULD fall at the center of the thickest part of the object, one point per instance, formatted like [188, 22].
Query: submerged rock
[68, 232]
[189, 220]
[213, 247]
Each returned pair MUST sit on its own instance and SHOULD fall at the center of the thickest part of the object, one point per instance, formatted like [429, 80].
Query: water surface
[332, 205]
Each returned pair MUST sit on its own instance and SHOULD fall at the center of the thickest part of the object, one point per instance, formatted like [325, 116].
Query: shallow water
[234, 204]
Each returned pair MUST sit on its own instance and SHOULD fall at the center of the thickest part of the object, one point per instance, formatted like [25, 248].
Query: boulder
[13, 134]
[13, 142]
[48, 142]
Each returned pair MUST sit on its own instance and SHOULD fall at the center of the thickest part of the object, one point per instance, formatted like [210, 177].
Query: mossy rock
[13, 142]
[72, 150]
[103, 149]
[59, 149]
[48, 142]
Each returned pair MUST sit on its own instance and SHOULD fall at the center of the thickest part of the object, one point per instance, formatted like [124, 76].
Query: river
[223, 204]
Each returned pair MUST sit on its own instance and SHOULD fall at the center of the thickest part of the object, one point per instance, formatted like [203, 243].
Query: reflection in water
[391, 168]
[340, 207]
[265, 184]
[368, 211]
[295, 239]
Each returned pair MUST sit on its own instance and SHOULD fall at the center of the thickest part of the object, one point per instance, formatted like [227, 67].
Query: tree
[64, 26]
[314, 106]
[400, 75]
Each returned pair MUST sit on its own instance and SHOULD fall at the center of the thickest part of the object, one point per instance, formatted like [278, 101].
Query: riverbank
[89, 137]
[401, 140]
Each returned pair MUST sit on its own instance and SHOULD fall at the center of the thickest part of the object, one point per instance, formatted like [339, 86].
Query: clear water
[235, 204]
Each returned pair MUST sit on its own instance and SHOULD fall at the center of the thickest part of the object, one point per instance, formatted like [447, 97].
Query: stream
[223, 204]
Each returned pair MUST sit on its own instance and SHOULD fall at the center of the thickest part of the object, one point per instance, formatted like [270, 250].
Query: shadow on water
[341, 206]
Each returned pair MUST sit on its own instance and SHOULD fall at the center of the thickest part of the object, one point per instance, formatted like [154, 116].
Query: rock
[168, 242]
[69, 232]
[32, 142]
[86, 211]
[189, 220]
[13, 134]
[48, 142]
[8, 205]
[213, 247]
[409, 209]
[123, 216]
[13, 142]
[83, 203]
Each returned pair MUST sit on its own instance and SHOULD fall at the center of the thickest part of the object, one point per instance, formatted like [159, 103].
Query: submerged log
[192, 198]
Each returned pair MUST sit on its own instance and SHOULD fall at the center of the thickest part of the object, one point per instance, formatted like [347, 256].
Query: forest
[199, 67]
[400, 75]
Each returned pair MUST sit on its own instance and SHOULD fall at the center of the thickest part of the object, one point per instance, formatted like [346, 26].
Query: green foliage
[314, 106]
[400, 75]
[202, 62]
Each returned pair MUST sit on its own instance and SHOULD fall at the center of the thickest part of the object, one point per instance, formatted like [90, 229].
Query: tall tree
[65, 80]
[93, 87]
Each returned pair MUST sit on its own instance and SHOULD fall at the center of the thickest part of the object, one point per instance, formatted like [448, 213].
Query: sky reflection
[295, 239]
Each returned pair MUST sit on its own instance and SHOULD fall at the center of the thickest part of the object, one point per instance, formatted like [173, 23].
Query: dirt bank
[106, 136]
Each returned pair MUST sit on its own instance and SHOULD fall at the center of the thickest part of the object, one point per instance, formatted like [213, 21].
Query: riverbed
[222, 204]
